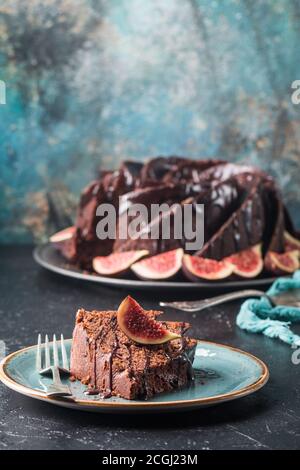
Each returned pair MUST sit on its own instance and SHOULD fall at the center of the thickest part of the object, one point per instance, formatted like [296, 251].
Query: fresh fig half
[248, 263]
[196, 268]
[117, 263]
[290, 242]
[139, 326]
[158, 267]
[282, 263]
[63, 235]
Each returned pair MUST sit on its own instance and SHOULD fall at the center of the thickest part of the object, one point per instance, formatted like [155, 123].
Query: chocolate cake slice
[105, 359]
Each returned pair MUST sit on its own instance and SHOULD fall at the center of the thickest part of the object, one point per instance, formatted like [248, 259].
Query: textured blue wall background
[91, 82]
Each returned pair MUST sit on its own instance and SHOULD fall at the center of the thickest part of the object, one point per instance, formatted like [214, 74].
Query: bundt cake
[246, 223]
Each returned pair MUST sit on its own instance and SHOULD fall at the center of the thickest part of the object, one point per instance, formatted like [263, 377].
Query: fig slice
[196, 268]
[247, 263]
[282, 263]
[290, 242]
[158, 267]
[117, 263]
[63, 235]
[139, 326]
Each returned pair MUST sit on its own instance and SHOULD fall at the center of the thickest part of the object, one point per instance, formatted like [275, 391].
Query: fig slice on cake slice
[163, 266]
[117, 263]
[195, 268]
[139, 326]
[247, 263]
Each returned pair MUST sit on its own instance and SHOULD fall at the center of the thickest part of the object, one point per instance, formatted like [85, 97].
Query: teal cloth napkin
[258, 316]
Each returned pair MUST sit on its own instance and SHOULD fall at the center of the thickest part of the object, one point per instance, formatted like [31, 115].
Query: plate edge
[251, 388]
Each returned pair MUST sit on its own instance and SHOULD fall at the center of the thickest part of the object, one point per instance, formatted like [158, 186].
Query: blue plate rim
[138, 405]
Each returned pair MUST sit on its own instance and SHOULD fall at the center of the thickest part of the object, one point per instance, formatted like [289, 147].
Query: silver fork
[57, 388]
[289, 298]
[198, 305]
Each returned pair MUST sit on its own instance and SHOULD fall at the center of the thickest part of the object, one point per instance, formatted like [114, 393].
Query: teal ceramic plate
[48, 257]
[222, 373]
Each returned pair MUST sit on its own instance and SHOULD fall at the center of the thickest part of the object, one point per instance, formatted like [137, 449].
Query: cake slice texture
[105, 359]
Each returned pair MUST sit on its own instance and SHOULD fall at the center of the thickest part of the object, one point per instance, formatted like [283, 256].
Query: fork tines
[46, 364]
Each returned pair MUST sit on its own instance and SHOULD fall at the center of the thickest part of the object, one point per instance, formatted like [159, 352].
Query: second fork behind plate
[289, 298]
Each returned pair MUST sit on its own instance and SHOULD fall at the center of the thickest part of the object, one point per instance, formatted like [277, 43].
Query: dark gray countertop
[33, 300]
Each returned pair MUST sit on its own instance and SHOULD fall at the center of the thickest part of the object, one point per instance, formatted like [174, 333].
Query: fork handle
[56, 376]
[198, 305]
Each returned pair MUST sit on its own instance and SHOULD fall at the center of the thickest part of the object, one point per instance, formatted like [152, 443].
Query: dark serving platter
[48, 257]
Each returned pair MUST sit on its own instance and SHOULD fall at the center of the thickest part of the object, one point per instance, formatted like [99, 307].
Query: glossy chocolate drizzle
[184, 355]
[92, 387]
[244, 203]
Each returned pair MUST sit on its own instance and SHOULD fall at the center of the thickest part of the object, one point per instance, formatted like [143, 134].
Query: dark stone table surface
[33, 300]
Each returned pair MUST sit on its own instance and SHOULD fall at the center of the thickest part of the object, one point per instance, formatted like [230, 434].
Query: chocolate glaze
[244, 205]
